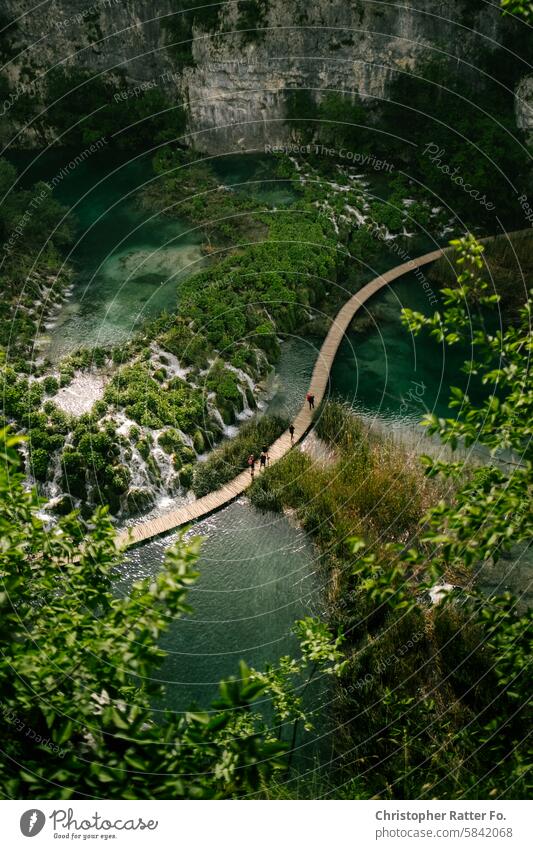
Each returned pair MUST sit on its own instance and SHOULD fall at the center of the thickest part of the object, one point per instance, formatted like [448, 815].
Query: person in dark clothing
[251, 465]
[311, 400]
[291, 431]
[263, 458]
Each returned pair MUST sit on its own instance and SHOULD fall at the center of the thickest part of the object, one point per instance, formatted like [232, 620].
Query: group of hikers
[263, 460]
[264, 457]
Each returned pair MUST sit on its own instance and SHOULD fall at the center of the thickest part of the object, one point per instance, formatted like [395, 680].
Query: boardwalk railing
[319, 382]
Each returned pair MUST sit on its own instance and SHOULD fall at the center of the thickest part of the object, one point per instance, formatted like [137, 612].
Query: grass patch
[230, 458]
[373, 488]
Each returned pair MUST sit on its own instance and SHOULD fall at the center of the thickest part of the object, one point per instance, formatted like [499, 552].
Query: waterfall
[227, 430]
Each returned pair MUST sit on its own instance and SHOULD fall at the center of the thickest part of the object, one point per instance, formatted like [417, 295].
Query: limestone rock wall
[236, 88]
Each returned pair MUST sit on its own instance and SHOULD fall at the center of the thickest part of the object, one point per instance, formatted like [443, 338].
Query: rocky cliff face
[355, 47]
[236, 87]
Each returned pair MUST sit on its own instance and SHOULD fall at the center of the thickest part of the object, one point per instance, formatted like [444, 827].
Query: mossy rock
[198, 442]
[186, 475]
[211, 438]
[227, 412]
[143, 448]
[138, 499]
[250, 398]
[170, 441]
[153, 469]
[64, 505]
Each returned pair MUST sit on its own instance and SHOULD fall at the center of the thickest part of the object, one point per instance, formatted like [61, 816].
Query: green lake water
[257, 578]
[128, 262]
[258, 575]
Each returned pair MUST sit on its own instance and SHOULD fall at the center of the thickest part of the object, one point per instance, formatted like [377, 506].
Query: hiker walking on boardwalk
[311, 400]
[251, 465]
[291, 431]
[263, 458]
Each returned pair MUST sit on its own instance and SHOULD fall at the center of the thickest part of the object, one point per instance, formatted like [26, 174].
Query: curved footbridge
[319, 381]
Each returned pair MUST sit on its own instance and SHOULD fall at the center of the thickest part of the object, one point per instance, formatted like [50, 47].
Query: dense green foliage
[464, 146]
[230, 458]
[523, 8]
[491, 512]
[81, 698]
[74, 725]
[508, 266]
[190, 188]
[462, 137]
[32, 236]
[226, 323]
[136, 390]
[83, 107]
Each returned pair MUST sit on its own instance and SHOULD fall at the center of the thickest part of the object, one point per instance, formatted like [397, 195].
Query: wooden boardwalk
[319, 382]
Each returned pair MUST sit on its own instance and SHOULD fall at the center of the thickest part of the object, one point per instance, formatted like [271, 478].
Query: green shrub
[230, 458]
[51, 385]
[170, 441]
[186, 476]
[39, 460]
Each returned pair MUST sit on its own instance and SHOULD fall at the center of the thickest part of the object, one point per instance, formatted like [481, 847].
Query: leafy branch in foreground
[78, 664]
[492, 510]
[523, 8]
